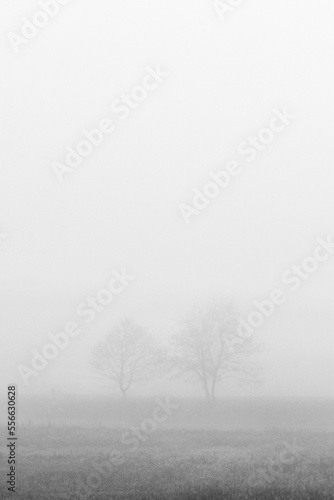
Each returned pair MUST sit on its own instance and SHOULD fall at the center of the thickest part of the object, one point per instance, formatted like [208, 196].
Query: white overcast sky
[119, 209]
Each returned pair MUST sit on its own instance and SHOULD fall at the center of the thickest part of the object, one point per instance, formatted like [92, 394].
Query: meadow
[239, 450]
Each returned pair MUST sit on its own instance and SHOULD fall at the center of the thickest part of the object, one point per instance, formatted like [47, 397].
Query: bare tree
[207, 348]
[125, 356]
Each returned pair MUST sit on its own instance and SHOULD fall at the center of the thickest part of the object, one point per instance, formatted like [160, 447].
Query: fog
[166, 250]
[120, 208]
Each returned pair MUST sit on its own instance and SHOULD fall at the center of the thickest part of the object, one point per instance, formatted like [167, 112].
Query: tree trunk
[213, 392]
[124, 396]
[207, 392]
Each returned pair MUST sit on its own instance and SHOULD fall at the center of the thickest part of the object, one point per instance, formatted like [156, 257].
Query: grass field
[179, 460]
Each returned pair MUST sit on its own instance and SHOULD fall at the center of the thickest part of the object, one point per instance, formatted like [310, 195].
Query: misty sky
[120, 207]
